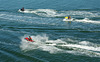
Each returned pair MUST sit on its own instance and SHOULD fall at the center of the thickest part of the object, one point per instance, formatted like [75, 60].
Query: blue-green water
[55, 39]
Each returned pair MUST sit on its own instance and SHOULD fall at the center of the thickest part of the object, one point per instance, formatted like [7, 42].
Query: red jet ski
[28, 39]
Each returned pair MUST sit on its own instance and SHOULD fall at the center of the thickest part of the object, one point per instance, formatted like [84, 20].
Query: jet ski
[28, 39]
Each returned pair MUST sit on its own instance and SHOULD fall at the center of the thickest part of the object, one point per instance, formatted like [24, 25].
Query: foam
[84, 42]
[83, 47]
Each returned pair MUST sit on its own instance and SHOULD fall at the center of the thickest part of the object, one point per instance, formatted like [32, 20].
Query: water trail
[42, 12]
[43, 43]
[86, 20]
[55, 13]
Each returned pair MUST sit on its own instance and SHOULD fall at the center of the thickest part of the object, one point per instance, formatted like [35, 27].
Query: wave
[43, 43]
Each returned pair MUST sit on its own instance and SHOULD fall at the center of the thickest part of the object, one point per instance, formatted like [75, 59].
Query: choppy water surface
[55, 39]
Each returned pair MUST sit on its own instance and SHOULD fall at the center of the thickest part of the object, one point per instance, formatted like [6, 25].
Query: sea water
[55, 40]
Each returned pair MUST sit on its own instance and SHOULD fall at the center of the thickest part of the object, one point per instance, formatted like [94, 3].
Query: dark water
[55, 39]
